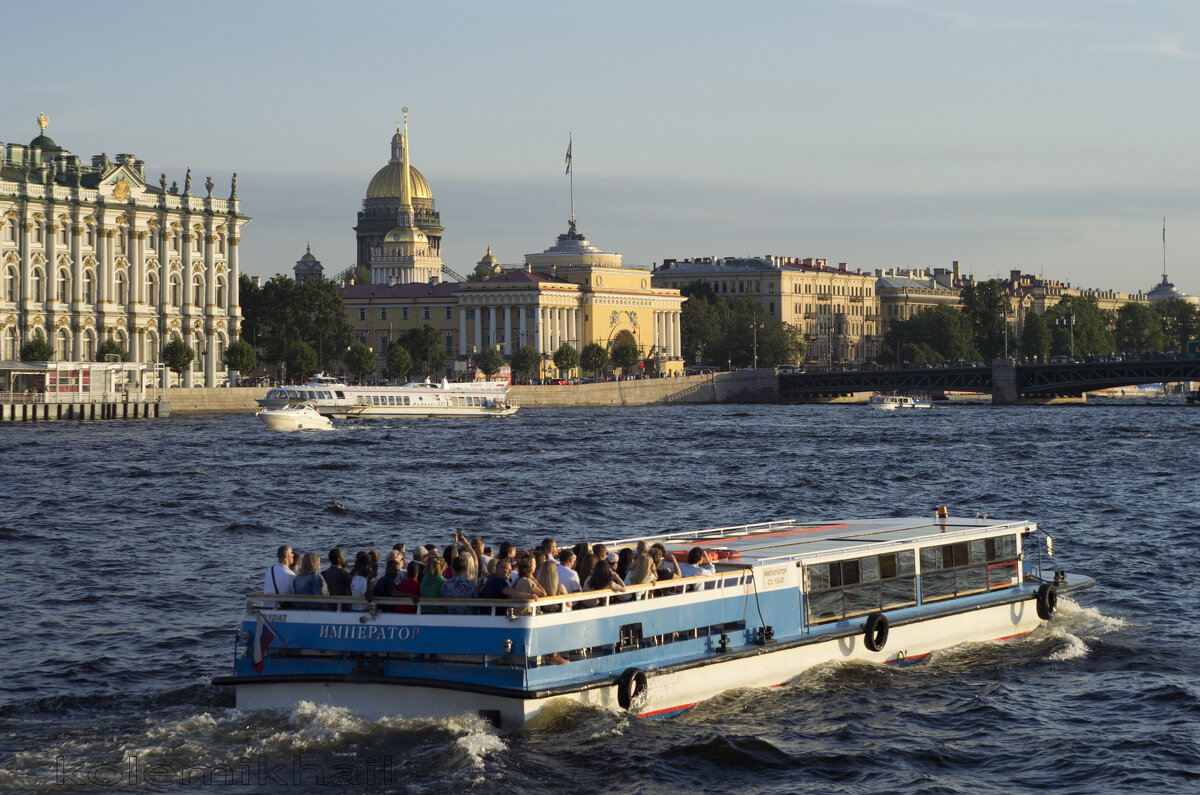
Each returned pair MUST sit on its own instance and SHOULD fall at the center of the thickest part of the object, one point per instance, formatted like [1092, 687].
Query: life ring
[1047, 601]
[632, 690]
[875, 632]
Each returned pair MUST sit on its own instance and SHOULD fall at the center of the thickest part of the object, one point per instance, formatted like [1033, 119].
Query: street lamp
[754, 327]
[1068, 320]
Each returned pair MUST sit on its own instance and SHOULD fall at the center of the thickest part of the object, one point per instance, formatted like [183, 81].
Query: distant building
[91, 252]
[836, 309]
[1165, 290]
[571, 293]
[905, 292]
[308, 267]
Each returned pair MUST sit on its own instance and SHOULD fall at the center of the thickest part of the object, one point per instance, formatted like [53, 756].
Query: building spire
[406, 184]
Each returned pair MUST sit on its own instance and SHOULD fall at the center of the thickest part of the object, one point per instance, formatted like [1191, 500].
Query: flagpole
[1164, 248]
[570, 144]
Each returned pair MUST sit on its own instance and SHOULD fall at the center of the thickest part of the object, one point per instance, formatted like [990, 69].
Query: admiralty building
[90, 252]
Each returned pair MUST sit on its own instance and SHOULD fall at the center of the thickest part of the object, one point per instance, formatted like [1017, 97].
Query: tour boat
[294, 417]
[894, 402]
[786, 596]
[415, 399]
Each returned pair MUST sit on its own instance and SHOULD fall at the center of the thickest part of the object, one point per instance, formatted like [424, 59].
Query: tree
[526, 361]
[37, 350]
[359, 360]
[111, 348]
[240, 356]
[625, 355]
[300, 360]
[283, 312]
[701, 328]
[399, 362]
[178, 356]
[985, 305]
[593, 358]
[566, 358]
[1079, 320]
[935, 334]
[1181, 321]
[489, 361]
[361, 274]
[1035, 337]
[1139, 329]
[425, 347]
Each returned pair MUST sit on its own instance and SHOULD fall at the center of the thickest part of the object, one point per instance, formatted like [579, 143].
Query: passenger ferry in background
[895, 402]
[415, 399]
[785, 596]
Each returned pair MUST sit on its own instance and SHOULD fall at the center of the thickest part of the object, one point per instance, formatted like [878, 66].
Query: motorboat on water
[300, 416]
[335, 398]
[895, 402]
[783, 596]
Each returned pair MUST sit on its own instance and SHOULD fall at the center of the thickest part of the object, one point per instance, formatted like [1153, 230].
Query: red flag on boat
[262, 639]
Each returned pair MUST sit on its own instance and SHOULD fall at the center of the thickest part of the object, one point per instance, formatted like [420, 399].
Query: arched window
[11, 353]
[176, 291]
[36, 283]
[198, 290]
[10, 231]
[151, 349]
[87, 350]
[39, 233]
[10, 284]
[89, 280]
[221, 293]
[121, 288]
[62, 345]
[64, 285]
[152, 297]
[64, 233]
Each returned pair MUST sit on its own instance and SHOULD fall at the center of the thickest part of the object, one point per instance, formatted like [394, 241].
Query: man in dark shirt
[337, 578]
[496, 586]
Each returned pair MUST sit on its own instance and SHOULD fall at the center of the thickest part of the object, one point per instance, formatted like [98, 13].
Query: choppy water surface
[127, 545]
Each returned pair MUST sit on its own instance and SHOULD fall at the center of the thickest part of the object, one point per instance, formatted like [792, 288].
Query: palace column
[520, 340]
[210, 300]
[462, 330]
[675, 335]
[508, 349]
[579, 327]
[478, 330]
[51, 265]
[537, 329]
[137, 288]
[104, 279]
[491, 326]
[188, 298]
[235, 279]
[77, 291]
[26, 270]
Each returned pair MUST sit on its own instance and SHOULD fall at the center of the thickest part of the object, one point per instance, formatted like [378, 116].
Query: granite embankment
[743, 386]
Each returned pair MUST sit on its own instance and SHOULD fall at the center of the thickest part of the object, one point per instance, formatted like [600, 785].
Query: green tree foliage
[1091, 332]
[425, 347]
[566, 358]
[362, 274]
[594, 358]
[300, 360]
[726, 331]
[1139, 329]
[625, 355]
[701, 323]
[526, 361]
[240, 356]
[936, 334]
[489, 361]
[359, 360]
[399, 362]
[283, 312]
[984, 305]
[1035, 337]
[37, 350]
[178, 356]
[1181, 321]
[114, 348]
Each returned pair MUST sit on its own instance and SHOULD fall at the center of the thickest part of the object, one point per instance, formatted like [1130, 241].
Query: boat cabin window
[844, 588]
[968, 567]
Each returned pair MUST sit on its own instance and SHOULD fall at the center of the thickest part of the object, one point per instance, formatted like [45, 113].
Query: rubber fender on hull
[875, 632]
[632, 690]
[1047, 601]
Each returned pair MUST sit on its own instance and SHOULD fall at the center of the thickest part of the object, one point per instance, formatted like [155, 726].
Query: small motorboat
[295, 417]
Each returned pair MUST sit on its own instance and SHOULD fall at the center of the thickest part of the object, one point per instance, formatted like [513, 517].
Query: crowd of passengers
[468, 570]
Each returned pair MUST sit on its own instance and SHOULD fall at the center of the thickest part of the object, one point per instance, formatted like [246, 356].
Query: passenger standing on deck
[460, 586]
[362, 578]
[280, 578]
[411, 586]
[431, 583]
[566, 571]
[337, 578]
[309, 581]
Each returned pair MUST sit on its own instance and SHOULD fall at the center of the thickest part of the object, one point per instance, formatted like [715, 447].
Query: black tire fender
[875, 632]
[1047, 601]
[632, 690]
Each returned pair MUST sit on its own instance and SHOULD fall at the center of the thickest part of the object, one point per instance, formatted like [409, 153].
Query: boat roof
[788, 539]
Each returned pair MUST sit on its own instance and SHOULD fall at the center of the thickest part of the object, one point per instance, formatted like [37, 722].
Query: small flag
[568, 171]
[262, 639]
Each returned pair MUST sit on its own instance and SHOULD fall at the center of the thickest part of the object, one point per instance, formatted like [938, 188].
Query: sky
[1049, 137]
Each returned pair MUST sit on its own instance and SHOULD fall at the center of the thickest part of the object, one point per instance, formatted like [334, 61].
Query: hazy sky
[1049, 137]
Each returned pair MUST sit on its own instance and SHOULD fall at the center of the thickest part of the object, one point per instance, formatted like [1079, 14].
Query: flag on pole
[568, 171]
[262, 639]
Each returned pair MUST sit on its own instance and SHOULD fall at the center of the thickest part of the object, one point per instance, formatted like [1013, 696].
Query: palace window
[37, 281]
[362, 314]
[449, 313]
[404, 313]
[221, 293]
[122, 294]
[427, 313]
[64, 285]
[10, 285]
[175, 290]
[88, 282]
[383, 314]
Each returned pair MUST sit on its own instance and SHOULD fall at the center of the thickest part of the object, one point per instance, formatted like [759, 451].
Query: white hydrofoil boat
[414, 399]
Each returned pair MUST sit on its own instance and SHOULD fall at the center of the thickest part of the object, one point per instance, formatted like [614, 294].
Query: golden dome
[389, 181]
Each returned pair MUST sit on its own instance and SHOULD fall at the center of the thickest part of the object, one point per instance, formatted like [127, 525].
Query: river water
[127, 545]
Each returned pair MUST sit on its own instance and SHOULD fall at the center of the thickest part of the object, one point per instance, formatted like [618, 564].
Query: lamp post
[1068, 320]
[754, 327]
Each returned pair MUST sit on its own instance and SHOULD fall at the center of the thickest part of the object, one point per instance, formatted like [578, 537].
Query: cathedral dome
[389, 181]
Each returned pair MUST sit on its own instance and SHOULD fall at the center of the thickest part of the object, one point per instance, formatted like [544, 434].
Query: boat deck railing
[733, 578]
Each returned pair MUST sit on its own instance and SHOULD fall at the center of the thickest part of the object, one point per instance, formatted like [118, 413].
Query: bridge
[1006, 381]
